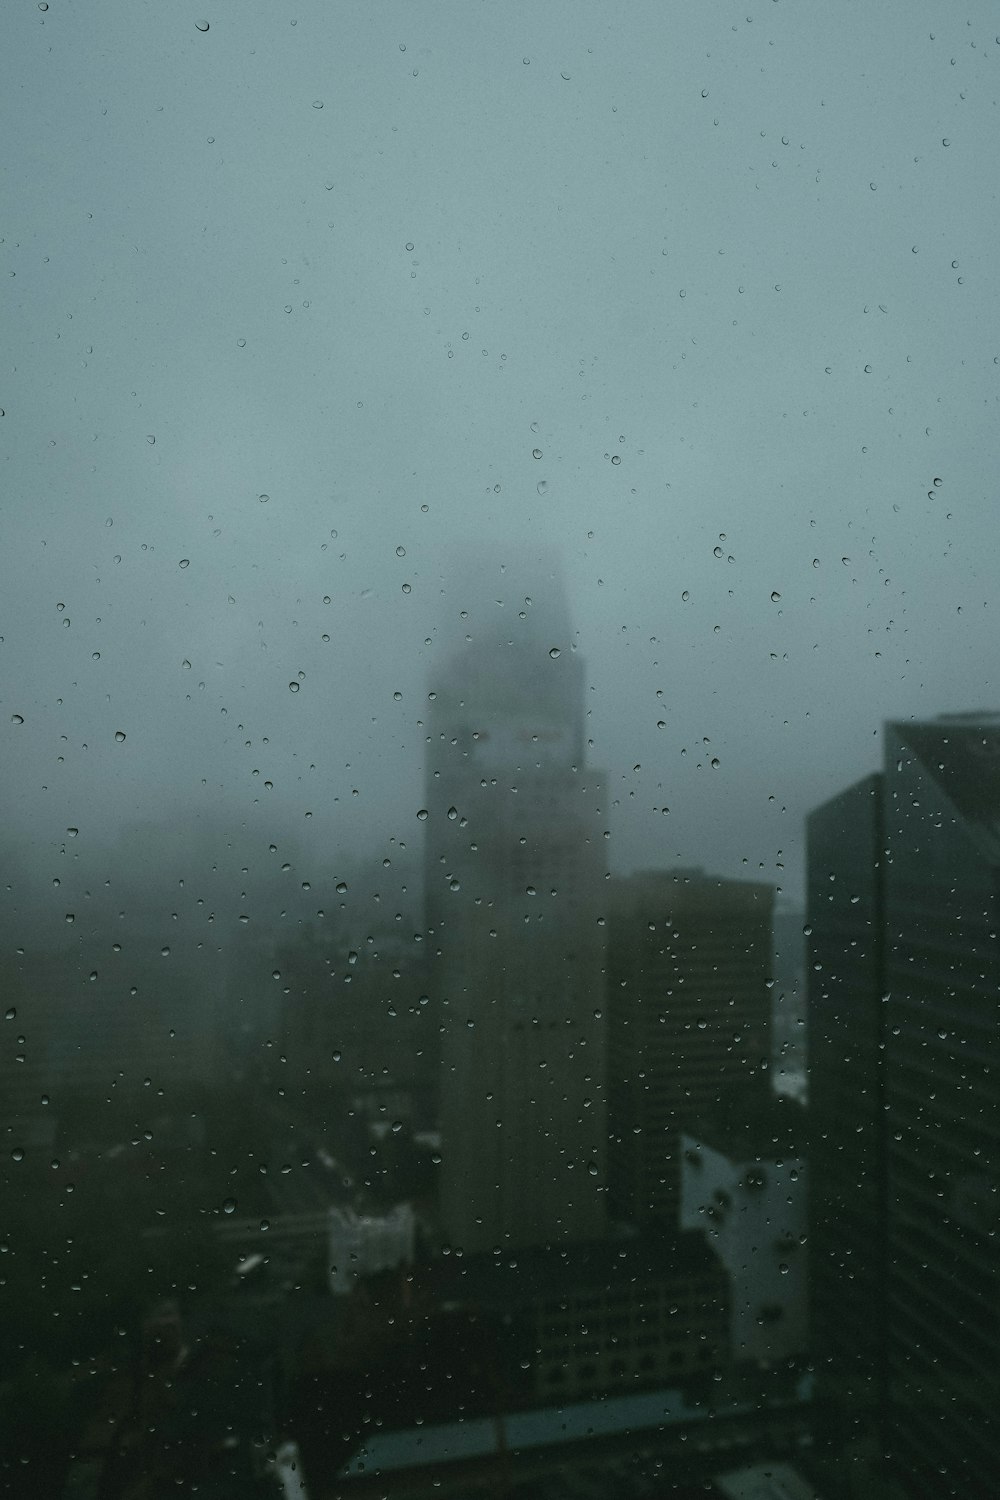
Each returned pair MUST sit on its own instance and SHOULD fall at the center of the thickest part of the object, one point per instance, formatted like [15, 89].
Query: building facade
[689, 1011]
[906, 981]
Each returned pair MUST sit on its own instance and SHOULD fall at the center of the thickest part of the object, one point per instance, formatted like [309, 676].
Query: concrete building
[362, 1244]
[689, 1021]
[514, 872]
[904, 877]
[744, 1183]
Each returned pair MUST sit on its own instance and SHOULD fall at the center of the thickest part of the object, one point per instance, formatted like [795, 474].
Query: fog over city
[306, 303]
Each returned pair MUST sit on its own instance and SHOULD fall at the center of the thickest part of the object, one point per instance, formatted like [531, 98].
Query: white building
[751, 1204]
[361, 1245]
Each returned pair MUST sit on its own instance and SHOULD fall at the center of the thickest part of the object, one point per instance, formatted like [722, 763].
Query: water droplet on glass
[150, 438]
[616, 459]
[453, 813]
[536, 452]
[119, 736]
[542, 486]
[317, 104]
[16, 719]
[201, 25]
[422, 814]
[70, 917]
[72, 832]
[229, 1207]
[185, 562]
[554, 652]
[400, 551]
[293, 687]
[17, 1154]
[775, 596]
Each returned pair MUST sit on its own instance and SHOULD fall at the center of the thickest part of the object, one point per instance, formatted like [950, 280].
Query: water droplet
[17, 1154]
[352, 957]
[229, 1207]
[119, 736]
[783, 1269]
[453, 813]
[422, 814]
[150, 438]
[616, 459]
[715, 762]
[454, 885]
[400, 551]
[10, 1013]
[72, 832]
[775, 596]
[554, 652]
[241, 343]
[16, 719]
[536, 452]
[70, 917]
[317, 104]
[542, 486]
[185, 562]
[342, 887]
[201, 25]
[409, 244]
[293, 687]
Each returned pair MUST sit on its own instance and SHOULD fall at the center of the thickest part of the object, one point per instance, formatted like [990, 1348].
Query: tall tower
[513, 885]
[905, 978]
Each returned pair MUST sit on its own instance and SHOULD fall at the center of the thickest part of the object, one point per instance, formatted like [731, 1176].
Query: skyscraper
[904, 884]
[513, 886]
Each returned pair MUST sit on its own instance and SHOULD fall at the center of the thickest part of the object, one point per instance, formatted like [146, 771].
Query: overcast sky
[291, 303]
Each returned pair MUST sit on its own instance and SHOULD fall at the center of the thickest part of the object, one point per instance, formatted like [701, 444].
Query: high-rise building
[689, 1009]
[905, 1065]
[514, 871]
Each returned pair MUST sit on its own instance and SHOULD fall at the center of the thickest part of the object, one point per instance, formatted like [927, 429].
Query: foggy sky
[729, 268]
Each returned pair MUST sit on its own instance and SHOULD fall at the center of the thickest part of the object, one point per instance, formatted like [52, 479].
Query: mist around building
[469, 1167]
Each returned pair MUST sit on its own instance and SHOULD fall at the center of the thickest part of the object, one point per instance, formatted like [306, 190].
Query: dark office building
[689, 1007]
[846, 1106]
[904, 1048]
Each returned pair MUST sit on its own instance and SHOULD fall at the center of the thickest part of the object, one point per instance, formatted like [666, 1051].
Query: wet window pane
[499, 959]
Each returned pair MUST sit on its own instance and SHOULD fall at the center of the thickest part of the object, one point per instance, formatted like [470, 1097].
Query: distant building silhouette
[904, 878]
[514, 869]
